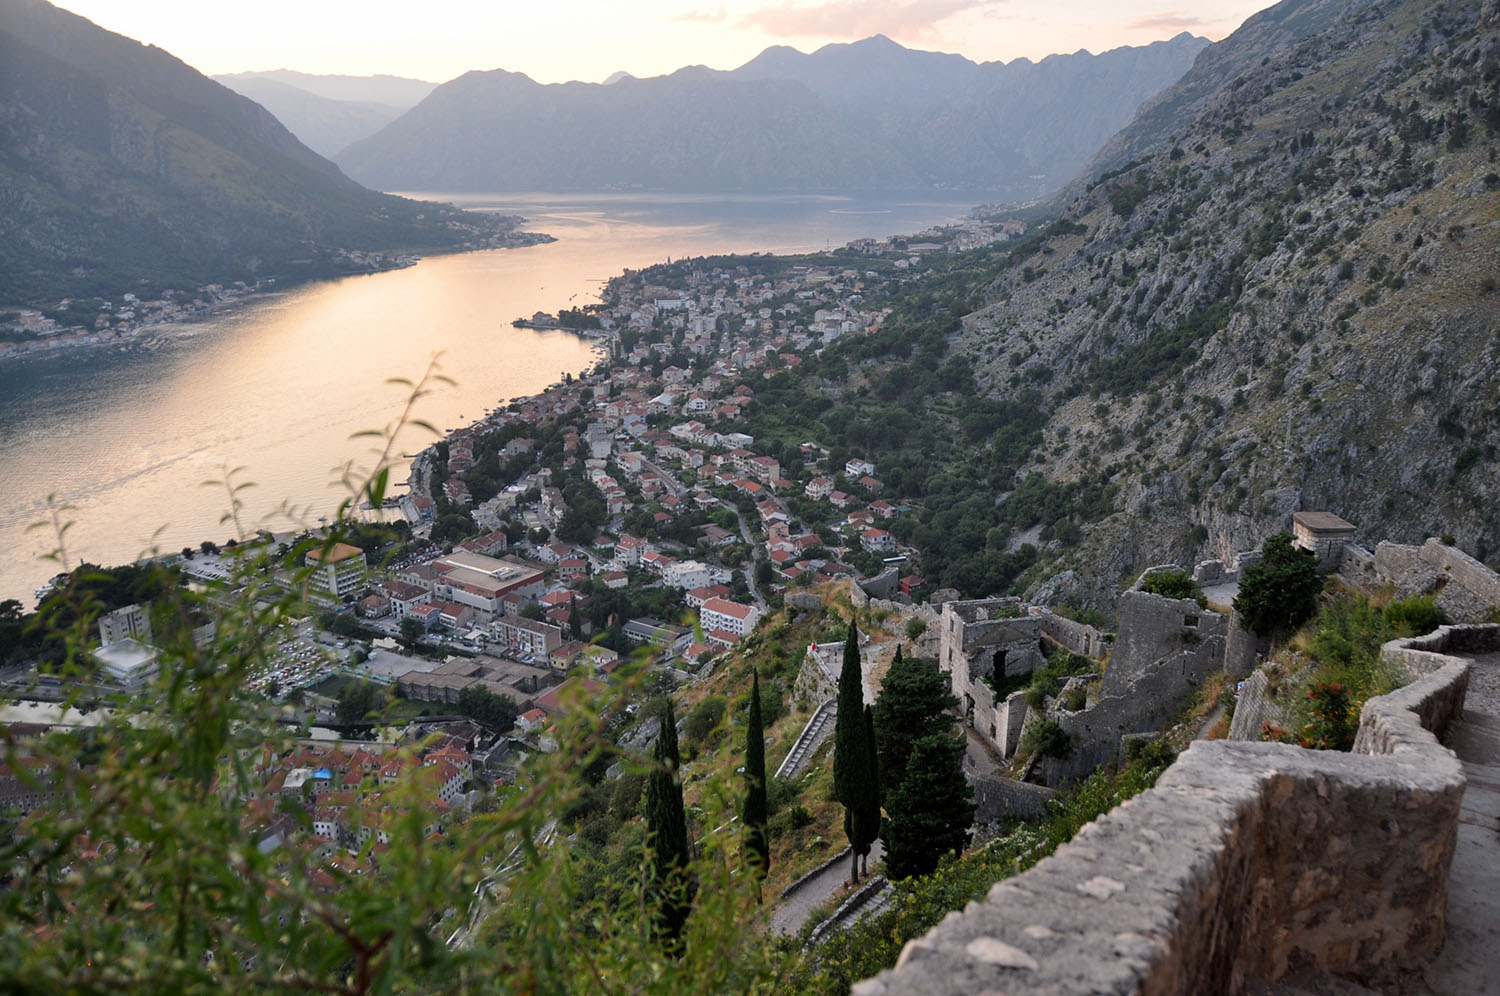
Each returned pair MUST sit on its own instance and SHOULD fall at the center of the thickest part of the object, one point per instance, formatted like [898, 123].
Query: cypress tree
[931, 810]
[854, 779]
[667, 838]
[757, 845]
[912, 703]
[575, 621]
[870, 802]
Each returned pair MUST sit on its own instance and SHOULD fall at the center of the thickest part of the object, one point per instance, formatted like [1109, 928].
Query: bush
[1415, 616]
[1174, 584]
[1047, 739]
[915, 627]
[704, 719]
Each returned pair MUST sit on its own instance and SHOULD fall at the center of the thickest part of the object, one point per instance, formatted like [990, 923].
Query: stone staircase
[818, 729]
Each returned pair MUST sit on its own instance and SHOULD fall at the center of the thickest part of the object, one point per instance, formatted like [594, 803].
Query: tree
[855, 783]
[931, 810]
[493, 710]
[1280, 591]
[412, 629]
[755, 815]
[357, 701]
[667, 838]
[912, 704]
[575, 619]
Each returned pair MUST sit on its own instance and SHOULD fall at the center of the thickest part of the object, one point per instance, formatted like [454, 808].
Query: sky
[553, 41]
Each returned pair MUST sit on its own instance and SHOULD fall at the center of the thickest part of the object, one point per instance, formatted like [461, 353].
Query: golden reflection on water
[278, 384]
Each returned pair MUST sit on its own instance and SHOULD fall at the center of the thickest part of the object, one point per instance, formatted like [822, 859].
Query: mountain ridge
[848, 108]
[123, 168]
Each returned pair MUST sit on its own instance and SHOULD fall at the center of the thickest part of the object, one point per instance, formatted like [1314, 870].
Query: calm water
[277, 385]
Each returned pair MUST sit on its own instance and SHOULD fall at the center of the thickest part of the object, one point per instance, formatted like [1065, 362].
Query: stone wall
[1078, 637]
[998, 798]
[1247, 860]
[1153, 628]
[978, 638]
[1166, 648]
[1466, 590]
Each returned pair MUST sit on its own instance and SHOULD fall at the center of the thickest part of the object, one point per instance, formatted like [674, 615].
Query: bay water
[269, 391]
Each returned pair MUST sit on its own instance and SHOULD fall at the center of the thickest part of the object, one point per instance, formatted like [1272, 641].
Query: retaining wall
[1246, 861]
[1003, 798]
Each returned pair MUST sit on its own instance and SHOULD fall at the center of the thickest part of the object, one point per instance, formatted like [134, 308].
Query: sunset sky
[589, 39]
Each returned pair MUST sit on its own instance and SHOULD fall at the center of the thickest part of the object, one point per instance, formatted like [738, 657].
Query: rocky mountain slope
[868, 115]
[1286, 296]
[122, 168]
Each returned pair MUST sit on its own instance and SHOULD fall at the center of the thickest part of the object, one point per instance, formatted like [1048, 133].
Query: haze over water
[277, 384]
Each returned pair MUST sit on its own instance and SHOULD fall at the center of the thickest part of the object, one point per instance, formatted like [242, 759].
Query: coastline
[220, 298]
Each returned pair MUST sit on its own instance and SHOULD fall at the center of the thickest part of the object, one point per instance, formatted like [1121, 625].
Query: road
[750, 571]
[678, 490]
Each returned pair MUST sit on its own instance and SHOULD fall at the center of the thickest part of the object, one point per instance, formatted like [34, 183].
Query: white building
[338, 570]
[687, 574]
[129, 664]
[731, 617]
[130, 623]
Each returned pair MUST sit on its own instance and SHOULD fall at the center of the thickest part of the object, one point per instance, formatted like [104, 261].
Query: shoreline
[77, 338]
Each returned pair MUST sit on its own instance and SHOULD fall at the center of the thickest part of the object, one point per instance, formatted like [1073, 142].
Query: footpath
[1468, 961]
[816, 892]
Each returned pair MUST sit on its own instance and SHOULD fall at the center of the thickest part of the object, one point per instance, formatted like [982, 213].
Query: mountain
[327, 124]
[692, 130]
[1283, 298]
[870, 115]
[400, 93]
[122, 168]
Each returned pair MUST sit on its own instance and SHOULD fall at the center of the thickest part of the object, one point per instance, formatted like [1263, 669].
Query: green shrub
[1174, 584]
[1414, 616]
[1047, 738]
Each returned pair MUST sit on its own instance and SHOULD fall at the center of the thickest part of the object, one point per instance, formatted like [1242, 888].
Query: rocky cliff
[1278, 291]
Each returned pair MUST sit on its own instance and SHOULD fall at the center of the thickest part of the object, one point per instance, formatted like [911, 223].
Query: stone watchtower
[1325, 534]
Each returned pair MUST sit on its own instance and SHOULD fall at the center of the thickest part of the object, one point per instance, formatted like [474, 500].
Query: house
[687, 574]
[857, 468]
[698, 596]
[374, 606]
[731, 617]
[524, 637]
[428, 615]
[562, 699]
[818, 488]
[877, 541]
[531, 720]
[884, 509]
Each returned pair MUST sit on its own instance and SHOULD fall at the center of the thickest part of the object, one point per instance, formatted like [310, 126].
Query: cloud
[713, 15]
[1167, 20]
[910, 19]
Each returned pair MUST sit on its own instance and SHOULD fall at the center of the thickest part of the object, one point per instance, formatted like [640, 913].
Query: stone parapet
[1245, 861]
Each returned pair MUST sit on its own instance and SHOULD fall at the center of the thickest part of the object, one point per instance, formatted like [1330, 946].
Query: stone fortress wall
[1245, 861]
